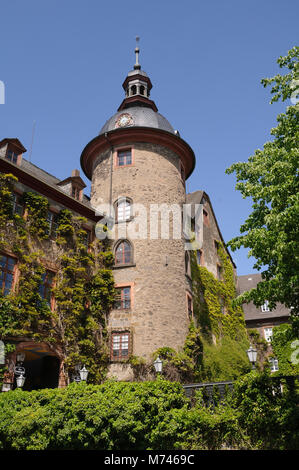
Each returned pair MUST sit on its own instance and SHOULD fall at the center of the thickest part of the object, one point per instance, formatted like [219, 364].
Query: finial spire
[137, 65]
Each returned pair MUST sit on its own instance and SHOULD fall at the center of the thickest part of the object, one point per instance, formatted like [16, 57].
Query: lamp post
[19, 370]
[20, 381]
[83, 373]
[158, 365]
[252, 355]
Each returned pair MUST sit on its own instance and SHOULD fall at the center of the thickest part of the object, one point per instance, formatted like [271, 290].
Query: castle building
[138, 165]
[262, 319]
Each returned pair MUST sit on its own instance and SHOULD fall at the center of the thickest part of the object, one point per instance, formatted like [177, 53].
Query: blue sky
[63, 64]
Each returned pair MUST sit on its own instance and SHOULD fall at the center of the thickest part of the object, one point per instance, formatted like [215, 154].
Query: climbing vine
[83, 288]
[213, 300]
[221, 325]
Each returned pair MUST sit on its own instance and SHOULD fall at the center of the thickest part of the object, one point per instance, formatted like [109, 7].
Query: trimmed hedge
[148, 415]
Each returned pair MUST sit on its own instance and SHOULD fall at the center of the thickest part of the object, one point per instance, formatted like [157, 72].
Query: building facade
[262, 319]
[137, 165]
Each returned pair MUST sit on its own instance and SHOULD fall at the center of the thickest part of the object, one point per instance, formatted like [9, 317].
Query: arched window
[123, 210]
[123, 253]
[134, 90]
[142, 90]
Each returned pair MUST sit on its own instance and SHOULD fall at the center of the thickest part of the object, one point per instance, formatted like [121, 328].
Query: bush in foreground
[147, 415]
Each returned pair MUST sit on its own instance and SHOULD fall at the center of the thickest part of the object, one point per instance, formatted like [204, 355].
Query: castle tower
[137, 163]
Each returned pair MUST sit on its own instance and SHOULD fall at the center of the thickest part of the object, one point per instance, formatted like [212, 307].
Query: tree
[270, 178]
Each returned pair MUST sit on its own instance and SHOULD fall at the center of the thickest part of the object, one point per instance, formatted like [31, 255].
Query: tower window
[7, 270]
[134, 90]
[123, 210]
[123, 298]
[120, 346]
[123, 253]
[142, 90]
[124, 157]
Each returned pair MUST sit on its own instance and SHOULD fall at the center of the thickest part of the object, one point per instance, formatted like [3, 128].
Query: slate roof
[251, 312]
[49, 179]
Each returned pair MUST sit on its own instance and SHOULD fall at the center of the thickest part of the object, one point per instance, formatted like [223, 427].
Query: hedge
[148, 415]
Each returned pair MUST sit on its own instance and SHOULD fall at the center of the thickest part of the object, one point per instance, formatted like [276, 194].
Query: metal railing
[217, 392]
[212, 391]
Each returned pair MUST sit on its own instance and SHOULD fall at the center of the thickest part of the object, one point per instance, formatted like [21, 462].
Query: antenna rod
[33, 129]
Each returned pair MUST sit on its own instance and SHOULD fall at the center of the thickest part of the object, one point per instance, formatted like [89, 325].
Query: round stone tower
[138, 165]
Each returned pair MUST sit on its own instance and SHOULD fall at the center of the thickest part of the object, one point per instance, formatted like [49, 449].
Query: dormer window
[73, 185]
[12, 156]
[76, 192]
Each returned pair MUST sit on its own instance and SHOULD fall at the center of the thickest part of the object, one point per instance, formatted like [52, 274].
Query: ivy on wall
[221, 325]
[83, 290]
[215, 347]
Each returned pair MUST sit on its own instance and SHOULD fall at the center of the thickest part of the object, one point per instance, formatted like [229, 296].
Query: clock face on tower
[124, 120]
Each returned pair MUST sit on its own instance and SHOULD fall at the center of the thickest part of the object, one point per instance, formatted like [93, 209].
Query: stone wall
[159, 315]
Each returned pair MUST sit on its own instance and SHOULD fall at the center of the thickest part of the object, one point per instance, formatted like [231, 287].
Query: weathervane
[137, 65]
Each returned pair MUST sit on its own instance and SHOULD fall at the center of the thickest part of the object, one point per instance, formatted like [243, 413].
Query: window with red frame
[123, 253]
[123, 298]
[7, 270]
[124, 157]
[123, 210]
[120, 345]
[46, 285]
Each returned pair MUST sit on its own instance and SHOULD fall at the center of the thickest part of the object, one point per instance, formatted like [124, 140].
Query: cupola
[137, 86]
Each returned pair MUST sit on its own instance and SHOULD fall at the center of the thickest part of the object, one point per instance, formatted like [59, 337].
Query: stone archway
[44, 366]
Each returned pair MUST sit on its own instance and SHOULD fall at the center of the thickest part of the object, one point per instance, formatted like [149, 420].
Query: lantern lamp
[158, 365]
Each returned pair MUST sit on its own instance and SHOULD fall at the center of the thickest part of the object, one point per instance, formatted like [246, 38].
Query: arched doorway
[42, 372]
[42, 367]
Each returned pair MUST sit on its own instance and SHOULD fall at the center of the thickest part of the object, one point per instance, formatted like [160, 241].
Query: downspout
[111, 174]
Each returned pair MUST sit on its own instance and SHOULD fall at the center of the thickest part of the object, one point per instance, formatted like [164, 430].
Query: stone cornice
[130, 135]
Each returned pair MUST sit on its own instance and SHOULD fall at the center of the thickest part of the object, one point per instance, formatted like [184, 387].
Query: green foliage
[213, 300]
[37, 207]
[149, 415]
[6, 185]
[83, 290]
[269, 416]
[270, 178]
[286, 349]
[221, 326]
[224, 361]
